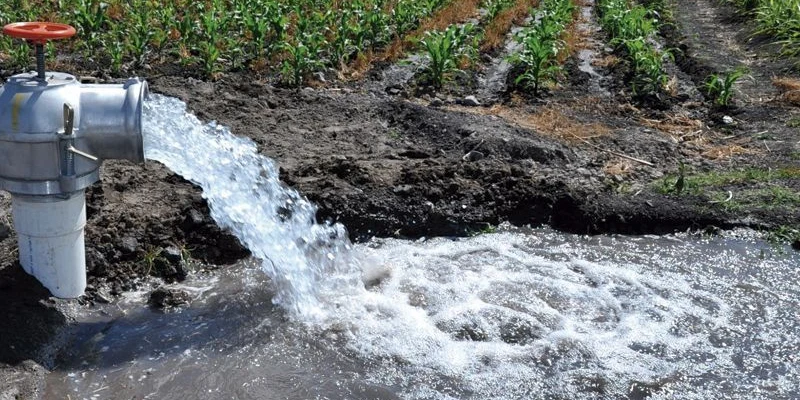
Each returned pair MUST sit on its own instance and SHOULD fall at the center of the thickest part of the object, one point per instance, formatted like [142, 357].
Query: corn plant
[720, 87]
[541, 44]
[444, 48]
[114, 44]
[347, 34]
[265, 26]
[218, 35]
[165, 17]
[140, 32]
[377, 25]
[625, 23]
[647, 62]
[631, 29]
[303, 58]
[89, 17]
[538, 58]
[781, 18]
[19, 54]
[494, 7]
[408, 13]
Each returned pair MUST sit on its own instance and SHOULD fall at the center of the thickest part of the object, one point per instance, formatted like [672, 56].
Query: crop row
[457, 46]
[632, 30]
[777, 18]
[294, 37]
[542, 43]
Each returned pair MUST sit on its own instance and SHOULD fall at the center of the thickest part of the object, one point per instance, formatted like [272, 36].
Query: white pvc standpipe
[51, 244]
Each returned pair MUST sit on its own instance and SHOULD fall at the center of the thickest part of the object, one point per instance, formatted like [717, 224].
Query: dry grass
[358, 67]
[785, 84]
[548, 121]
[576, 35]
[725, 151]
[686, 130]
[680, 127]
[574, 40]
[792, 97]
[606, 62]
[454, 13]
[495, 33]
[618, 167]
[789, 88]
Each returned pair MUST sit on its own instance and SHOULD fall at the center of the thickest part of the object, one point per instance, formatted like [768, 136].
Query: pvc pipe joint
[51, 240]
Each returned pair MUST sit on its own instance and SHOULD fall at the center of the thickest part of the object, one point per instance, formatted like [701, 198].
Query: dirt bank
[584, 158]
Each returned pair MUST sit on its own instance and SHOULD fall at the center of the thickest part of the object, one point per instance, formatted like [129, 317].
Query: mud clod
[5, 231]
[168, 298]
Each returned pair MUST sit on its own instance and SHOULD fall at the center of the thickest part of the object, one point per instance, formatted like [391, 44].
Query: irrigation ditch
[590, 132]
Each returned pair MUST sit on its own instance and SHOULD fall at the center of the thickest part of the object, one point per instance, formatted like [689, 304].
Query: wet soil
[584, 157]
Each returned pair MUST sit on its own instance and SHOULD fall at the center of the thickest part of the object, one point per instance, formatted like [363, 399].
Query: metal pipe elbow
[111, 119]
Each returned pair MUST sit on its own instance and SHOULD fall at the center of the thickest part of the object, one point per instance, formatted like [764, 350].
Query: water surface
[518, 314]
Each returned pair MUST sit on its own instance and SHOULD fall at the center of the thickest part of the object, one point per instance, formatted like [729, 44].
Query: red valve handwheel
[38, 32]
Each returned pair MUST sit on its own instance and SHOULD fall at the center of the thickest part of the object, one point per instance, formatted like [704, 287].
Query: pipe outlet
[111, 120]
[55, 133]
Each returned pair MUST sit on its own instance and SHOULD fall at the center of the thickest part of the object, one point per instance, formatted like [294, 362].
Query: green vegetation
[776, 18]
[736, 190]
[151, 256]
[631, 30]
[542, 43]
[694, 183]
[494, 7]
[292, 38]
[446, 48]
[785, 235]
[719, 87]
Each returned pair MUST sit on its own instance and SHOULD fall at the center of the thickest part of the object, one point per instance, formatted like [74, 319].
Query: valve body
[54, 134]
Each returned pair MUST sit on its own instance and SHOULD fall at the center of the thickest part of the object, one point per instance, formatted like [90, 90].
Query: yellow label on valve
[16, 103]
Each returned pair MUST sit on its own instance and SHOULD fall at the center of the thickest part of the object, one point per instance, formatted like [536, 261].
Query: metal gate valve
[54, 134]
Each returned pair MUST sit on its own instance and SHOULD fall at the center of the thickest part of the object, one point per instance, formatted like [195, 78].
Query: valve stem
[40, 60]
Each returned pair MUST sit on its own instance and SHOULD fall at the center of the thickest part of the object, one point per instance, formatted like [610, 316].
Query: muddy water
[519, 314]
[587, 55]
[522, 314]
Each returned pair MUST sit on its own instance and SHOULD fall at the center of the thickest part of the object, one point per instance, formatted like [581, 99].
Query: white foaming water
[513, 315]
[520, 316]
[246, 197]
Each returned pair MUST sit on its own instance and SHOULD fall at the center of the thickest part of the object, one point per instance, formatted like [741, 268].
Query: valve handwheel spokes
[38, 32]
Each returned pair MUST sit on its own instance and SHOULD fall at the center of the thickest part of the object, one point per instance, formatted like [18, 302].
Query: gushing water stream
[246, 196]
[518, 314]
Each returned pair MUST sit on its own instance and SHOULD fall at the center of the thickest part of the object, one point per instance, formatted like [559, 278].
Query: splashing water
[512, 315]
[246, 197]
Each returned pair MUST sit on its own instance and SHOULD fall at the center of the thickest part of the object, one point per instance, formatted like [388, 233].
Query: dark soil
[387, 165]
